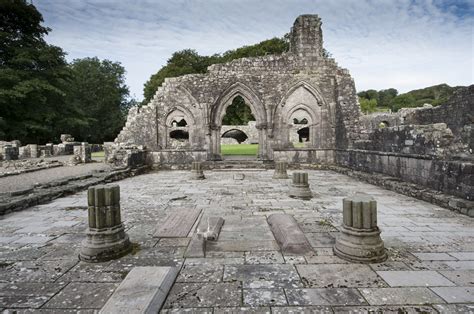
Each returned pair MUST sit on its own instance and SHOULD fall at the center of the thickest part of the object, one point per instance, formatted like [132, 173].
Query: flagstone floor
[430, 266]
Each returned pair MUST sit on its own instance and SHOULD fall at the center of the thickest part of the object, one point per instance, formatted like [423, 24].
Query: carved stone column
[106, 238]
[196, 171]
[280, 170]
[300, 186]
[359, 239]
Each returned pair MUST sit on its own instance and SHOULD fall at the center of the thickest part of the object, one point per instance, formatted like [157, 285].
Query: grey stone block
[288, 234]
[144, 290]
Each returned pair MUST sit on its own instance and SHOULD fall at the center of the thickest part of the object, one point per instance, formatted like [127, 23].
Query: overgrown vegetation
[372, 100]
[239, 149]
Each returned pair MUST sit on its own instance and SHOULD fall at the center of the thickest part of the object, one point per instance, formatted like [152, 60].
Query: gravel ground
[22, 181]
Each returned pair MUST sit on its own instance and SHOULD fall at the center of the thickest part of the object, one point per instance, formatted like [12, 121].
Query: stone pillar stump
[359, 240]
[196, 171]
[106, 238]
[300, 186]
[280, 170]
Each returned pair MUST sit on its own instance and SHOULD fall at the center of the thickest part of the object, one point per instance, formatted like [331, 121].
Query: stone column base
[105, 245]
[197, 175]
[363, 246]
[301, 191]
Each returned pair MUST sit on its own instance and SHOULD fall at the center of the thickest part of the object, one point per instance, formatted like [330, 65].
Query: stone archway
[219, 110]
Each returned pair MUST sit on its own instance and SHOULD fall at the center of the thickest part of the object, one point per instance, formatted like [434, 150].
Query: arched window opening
[301, 121]
[238, 113]
[237, 135]
[303, 135]
[179, 135]
[179, 123]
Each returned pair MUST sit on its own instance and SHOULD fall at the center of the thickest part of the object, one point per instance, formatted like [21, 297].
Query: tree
[188, 61]
[98, 100]
[33, 75]
[238, 113]
[386, 97]
[368, 105]
[403, 101]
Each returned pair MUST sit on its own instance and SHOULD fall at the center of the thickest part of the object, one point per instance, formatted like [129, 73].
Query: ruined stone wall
[276, 88]
[432, 147]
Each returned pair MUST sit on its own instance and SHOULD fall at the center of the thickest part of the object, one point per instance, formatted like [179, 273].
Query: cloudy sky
[384, 43]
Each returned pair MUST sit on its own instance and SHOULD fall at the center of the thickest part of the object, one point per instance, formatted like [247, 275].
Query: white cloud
[402, 44]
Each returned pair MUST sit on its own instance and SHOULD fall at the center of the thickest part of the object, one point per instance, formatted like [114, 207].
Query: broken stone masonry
[359, 239]
[430, 147]
[105, 238]
[300, 186]
[280, 170]
[82, 153]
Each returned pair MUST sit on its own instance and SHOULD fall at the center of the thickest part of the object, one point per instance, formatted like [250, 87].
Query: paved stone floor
[430, 266]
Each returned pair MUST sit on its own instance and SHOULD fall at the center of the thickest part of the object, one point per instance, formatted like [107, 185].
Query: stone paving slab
[394, 296]
[330, 296]
[204, 295]
[82, 296]
[350, 275]
[244, 266]
[414, 278]
[455, 294]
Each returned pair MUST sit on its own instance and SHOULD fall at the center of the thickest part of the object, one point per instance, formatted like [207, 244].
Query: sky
[402, 44]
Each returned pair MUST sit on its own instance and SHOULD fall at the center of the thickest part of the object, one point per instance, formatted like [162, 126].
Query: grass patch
[98, 154]
[239, 149]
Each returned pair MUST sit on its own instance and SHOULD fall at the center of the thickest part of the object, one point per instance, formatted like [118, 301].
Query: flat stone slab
[178, 224]
[288, 234]
[204, 295]
[278, 274]
[264, 297]
[92, 296]
[339, 275]
[196, 247]
[393, 296]
[143, 291]
[414, 278]
[328, 296]
[455, 294]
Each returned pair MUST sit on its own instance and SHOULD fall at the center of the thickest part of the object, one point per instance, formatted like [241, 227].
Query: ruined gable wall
[268, 79]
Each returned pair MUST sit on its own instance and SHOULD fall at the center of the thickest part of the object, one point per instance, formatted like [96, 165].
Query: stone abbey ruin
[350, 219]
[431, 147]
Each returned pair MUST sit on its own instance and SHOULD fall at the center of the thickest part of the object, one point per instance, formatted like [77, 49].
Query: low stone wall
[304, 155]
[449, 176]
[166, 158]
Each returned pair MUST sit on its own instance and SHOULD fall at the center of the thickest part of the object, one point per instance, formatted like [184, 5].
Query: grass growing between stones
[239, 149]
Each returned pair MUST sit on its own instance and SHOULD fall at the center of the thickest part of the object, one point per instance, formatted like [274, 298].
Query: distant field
[239, 149]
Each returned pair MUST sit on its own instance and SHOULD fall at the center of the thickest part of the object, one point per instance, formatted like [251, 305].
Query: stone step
[144, 290]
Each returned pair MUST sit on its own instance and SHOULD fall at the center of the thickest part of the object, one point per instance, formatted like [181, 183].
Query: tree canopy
[188, 61]
[42, 96]
[33, 75]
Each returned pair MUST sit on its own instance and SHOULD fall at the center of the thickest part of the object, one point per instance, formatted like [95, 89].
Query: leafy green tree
[368, 105]
[238, 113]
[33, 75]
[404, 101]
[386, 97]
[188, 61]
[369, 94]
[98, 100]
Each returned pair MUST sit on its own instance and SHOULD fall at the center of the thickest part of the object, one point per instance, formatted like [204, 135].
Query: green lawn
[239, 149]
[98, 154]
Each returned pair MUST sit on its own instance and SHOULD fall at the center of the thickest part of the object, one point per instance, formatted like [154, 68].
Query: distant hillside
[389, 99]
[434, 95]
